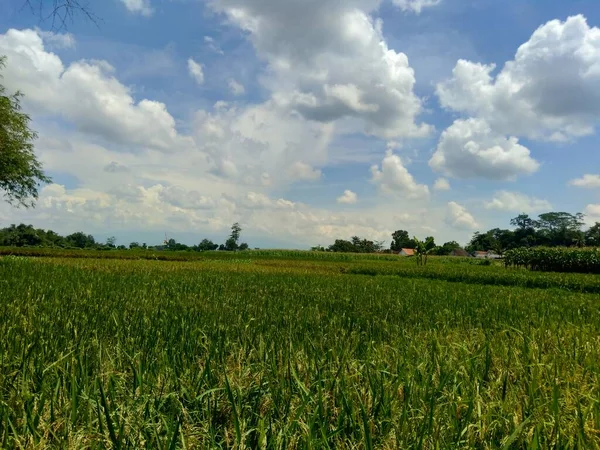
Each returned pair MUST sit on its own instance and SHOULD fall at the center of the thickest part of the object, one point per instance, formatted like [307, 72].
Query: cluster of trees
[400, 239]
[27, 236]
[552, 229]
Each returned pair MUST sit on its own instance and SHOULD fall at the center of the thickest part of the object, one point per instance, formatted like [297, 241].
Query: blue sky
[308, 120]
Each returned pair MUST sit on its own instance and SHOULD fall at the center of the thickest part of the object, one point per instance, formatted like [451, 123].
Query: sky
[308, 121]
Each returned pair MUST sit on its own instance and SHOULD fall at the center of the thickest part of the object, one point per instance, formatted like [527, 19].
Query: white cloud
[342, 68]
[303, 171]
[263, 144]
[551, 90]
[470, 149]
[393, 177]
[236, 88]
[196, 71]
[139, 7]
[592, 214]
[441, 184]
[348, 198]
[517, 202]
[415, 6]
[86, 93]
[587, 181]
[458, 217]
[57, 40]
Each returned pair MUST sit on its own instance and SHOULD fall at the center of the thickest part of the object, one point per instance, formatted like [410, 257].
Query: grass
[292, 352]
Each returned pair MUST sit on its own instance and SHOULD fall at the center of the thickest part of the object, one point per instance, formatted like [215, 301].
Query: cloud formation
[517, 202]
[315, 73]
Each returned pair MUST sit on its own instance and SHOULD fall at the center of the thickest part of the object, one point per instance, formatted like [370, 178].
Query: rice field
[284, 351]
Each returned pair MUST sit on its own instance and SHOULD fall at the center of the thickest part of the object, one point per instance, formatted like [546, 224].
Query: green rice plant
[292, 354]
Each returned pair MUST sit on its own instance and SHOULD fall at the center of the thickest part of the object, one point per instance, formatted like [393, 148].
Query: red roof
[408, 251]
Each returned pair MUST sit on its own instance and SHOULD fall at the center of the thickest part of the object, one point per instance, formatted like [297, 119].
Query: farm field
[294, 350]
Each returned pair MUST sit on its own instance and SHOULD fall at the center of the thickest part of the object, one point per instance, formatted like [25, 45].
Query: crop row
[581, 260]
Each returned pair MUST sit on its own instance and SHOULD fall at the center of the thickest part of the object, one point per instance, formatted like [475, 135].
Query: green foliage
[400, 240]
[20, 171]
[582, 260]
[292, 353]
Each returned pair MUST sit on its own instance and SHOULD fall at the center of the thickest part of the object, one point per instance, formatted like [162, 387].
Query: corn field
[582, 260]
[274, 353]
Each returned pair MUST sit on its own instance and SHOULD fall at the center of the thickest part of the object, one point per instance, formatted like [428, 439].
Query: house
[460, 252]
[486, 255]
[407, 252]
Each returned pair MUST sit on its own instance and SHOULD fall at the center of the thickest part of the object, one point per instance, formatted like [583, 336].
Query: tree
[81, 240]
[134, 245]
[243, 246]
[20, 171]
[523, 222]
[592, 236]
[423, 249]
[111, 241]
[206, 246]
[59, 11]
[560, 228]
[446, 249]
[400, 240]
[231, 244]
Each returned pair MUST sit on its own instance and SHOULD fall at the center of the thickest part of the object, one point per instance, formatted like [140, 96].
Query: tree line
[552, 229]
[27, 236]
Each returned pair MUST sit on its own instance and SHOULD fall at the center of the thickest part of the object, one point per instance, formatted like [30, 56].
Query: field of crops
[291, 351]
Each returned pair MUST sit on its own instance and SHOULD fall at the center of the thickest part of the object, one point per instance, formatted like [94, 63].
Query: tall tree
[20, 172]
[231, 244]
[400, 240]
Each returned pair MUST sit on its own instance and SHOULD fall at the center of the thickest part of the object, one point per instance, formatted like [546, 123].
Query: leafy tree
[592, 236]
[400, 240]
[231, 244]
[446, 249]
[243, 246]
[342, 246]
[423, 249]
[81, 240]
[111, 242]
[20, 171]
[523, 222]
[134, 245]
[206, 246]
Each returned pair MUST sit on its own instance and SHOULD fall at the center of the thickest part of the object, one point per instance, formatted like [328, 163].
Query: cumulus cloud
[348, 198]
[592, 213]
[517, 202]
[86, 93]
[262, 144]
[342, 68]
[457, 216]
[139, 7]
[441, 184]
[471, 149]
[416, 6]
[587, 181]
[303, 171]
[550, 90]
[394, 178]
[57, 40]
[236, 88]
[196, 71]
